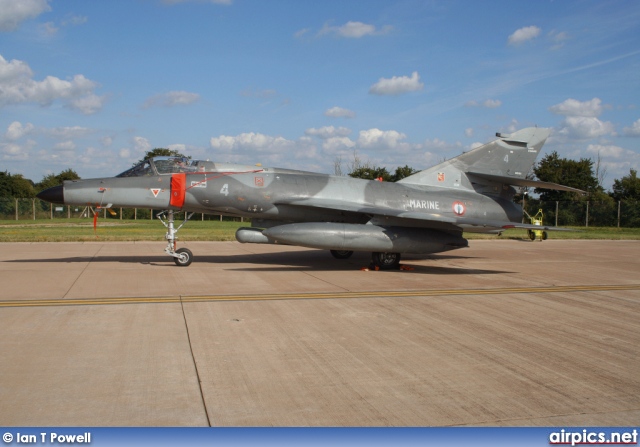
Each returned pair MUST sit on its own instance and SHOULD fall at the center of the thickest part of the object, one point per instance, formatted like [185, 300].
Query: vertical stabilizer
[510, 156]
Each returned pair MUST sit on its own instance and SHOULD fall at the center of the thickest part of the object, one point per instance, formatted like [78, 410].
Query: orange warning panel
[178, 189]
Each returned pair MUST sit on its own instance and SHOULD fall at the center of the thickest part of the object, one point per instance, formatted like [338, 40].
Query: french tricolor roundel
[458, 208]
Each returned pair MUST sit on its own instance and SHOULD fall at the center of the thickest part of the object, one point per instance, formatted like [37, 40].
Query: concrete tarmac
[502, 333]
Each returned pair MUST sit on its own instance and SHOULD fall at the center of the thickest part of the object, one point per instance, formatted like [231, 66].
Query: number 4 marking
[225, 189]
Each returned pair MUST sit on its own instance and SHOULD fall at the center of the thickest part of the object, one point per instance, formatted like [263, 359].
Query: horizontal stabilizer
[514, 181]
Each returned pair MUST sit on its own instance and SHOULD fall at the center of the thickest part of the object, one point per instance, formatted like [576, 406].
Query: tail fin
[507, 160]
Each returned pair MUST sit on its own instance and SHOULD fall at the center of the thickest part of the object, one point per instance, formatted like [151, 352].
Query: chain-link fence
[586, 213]
[36, 209]
[574, 214]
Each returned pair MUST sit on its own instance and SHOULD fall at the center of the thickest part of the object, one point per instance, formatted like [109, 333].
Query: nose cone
[54, 194]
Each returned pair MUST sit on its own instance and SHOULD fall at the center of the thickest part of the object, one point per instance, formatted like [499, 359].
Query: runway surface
[502, 333]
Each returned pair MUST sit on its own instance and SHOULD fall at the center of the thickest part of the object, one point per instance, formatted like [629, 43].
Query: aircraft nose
[55, 194]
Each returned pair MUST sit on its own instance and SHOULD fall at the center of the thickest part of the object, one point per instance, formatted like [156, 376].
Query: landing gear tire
[184, 258]
[341, 254]
[544, 236]
[386, 261]
[532, 235]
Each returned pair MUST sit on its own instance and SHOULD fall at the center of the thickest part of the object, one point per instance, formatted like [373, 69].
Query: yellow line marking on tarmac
[310, 296]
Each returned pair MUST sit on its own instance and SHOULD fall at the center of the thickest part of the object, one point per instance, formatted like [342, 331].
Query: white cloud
[16, 130]
[381, 139]
[488, 103]
[215, 2]
[584, 127]
[441, 146]
[14, 12]
[65, 133]
[468, 132]
[523, 35]
[608, 151]
[141, 144]
[634, 130]
[492, 103]
[250, 141]
[49, 29]
[328, 132]
[513, 126]
[573, 107]
[248, 148]
[13, 151]
[337, 145]
[558, 39]
[354, 30]
[171, 99]
[397, 85]
[65, 146]
[339, 112]
[88, 104]
[74, 20]
[17, 87]
[182, 148]
[12, 72]
[298, 34]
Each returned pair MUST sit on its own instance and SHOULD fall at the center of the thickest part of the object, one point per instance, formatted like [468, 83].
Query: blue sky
[93, 85]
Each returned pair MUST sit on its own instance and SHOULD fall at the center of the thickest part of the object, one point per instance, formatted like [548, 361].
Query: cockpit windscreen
[159, 166]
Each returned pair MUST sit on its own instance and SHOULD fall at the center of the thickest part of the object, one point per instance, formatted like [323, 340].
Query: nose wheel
[181, 256]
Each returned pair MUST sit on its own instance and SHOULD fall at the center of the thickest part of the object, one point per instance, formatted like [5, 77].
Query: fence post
[51, 211]
[586, 223]
[33, 208]
[16, 209]
[556, 213]
[619, 213]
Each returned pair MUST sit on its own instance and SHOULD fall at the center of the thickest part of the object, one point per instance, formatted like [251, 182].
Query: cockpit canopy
[175, 165]
[160, 166]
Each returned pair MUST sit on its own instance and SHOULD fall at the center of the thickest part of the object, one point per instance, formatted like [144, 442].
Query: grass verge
[81, 230]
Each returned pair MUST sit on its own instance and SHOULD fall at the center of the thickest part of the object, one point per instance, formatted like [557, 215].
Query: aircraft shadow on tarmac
[318, 260]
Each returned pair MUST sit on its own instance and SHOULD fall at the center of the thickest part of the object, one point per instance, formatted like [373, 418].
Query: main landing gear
[182, 256]
[385, 261]
[379, 260]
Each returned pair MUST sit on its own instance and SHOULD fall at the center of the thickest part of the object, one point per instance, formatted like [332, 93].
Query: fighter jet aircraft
[424, 213]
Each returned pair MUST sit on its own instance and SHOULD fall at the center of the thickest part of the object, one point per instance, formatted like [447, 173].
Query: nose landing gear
[181, 256]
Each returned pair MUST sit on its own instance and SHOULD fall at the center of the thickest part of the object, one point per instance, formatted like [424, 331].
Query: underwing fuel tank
[355, 237]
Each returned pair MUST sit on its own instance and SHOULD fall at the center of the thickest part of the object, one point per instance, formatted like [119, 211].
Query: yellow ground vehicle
[536, 220]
